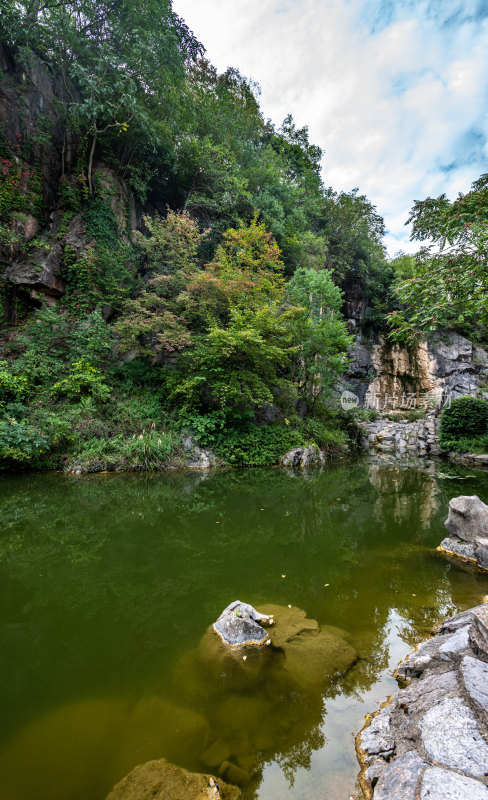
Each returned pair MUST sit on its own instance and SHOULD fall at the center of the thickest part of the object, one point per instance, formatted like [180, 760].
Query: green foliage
[320, 333]
[83, 379]
[241, 339]
[12, 387]
[205, 428]
[464, 425]
[258, 445]
[465, 444]
[447, 286]
[154, 322]
[173, 243]
[71, 193]
[20, 442]
[330, 439]
[105, 273]
[51, 341]
[20, 195]
[410, 416]
[31, 442]
[144, 451]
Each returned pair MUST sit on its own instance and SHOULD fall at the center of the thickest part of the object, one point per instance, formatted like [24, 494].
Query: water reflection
[107, 584]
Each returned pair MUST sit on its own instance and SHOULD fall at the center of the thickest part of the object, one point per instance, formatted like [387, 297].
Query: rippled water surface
[108, 584]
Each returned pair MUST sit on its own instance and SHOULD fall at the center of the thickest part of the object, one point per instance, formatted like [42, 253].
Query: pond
[109, 582]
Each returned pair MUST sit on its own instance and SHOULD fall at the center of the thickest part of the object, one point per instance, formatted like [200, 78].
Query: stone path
[431, 741]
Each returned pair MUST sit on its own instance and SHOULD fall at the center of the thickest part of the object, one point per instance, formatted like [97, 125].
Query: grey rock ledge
[430, 741]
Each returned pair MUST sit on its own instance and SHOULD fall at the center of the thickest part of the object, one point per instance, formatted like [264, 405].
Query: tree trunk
[90, 160]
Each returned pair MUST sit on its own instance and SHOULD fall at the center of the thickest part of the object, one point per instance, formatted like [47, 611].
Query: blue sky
[394, 91]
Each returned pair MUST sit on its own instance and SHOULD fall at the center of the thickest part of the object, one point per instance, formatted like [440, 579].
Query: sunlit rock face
[240, 625]
[161, 780]
[429, 742]
[467, 524]
[447, 366]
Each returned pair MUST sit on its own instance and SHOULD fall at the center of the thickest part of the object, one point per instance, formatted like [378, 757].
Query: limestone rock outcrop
[395, 380]
[301, 457]
[431, 740]
[240, 625]
[467, 524]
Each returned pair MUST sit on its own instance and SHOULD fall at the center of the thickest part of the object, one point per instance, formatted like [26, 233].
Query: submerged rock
[240, 625]
[161, 780]
[300, 653]
[312, 654]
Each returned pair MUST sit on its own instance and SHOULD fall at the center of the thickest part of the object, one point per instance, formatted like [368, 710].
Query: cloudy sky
[394, 91]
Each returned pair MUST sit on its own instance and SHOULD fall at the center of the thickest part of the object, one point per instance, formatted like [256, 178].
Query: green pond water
[109, 582]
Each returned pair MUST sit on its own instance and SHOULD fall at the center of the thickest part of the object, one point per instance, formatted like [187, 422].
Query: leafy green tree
[154, 323]
[242, 337]
[448, 282]
[127, 60]
[320, 332]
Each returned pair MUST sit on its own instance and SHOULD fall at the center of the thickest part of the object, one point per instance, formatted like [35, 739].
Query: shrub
[464, 425]
[325, 435]
[259, 445]
[31, 443]
[478, 444]
[12, 387]
[147, 450]
[83, 379]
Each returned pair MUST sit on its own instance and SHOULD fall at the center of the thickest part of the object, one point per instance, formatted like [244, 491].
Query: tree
[127, 60]
[448, 284]
[320, 333]
[155, 323]
[242, 340]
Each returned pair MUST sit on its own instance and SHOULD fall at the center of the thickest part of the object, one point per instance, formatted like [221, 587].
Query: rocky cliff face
[42, 185]
[396, 380]
[32, 110]
[391, 377]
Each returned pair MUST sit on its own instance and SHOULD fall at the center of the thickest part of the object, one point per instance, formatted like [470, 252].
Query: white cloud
[400, 112]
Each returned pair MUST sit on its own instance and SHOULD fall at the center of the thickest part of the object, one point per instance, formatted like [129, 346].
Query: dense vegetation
[204, 263]
[464, 426]
[446, 284]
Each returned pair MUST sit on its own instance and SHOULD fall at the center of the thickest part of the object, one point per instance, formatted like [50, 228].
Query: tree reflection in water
[108, 582]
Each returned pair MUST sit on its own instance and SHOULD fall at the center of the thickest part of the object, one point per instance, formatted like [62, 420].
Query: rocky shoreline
[430, 741]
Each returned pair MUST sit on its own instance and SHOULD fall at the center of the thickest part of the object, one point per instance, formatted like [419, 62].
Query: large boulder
[161, 780]
[468, 518]
[40, 270]
[467, 524]
[301, 457]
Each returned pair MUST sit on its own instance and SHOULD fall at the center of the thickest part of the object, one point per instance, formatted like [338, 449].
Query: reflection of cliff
[404, 495]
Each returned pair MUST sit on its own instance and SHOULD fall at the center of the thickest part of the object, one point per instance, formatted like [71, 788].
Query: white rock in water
[239, 626]
[468, 518]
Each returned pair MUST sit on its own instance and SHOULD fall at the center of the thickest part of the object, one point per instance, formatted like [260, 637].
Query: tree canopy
[446, 285]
